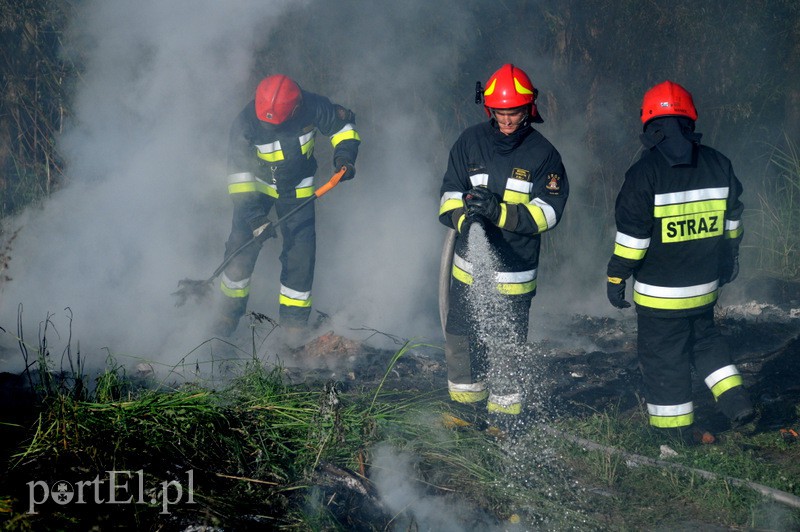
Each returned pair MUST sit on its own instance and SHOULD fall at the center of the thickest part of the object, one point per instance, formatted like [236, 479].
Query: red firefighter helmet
[667, 99]
[508, 88]
[277, 98]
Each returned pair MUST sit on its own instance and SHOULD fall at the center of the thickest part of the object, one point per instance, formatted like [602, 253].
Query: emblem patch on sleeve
[553, 183]
[521, 174]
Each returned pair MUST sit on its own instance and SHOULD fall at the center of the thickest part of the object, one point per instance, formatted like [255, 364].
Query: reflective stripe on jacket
[674, 226]
[526, 174]
[278, 160]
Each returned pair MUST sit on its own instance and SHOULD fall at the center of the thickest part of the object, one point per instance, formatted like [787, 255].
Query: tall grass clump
[778, 222]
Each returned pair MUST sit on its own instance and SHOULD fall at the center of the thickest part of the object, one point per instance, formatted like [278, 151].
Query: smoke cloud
[145, 154]
[146, 204]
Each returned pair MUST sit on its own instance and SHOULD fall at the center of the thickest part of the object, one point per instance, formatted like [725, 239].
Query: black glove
[729, 266]
[349, 173]
[615, 289]
[266, 233]
[481, 202]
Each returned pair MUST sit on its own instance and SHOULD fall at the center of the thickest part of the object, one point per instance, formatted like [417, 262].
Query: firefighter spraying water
[504, 176]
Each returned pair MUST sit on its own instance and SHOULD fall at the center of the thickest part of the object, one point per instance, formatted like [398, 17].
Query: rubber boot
[459, 371]
[736, 406]
[293, 337]
[224, 326]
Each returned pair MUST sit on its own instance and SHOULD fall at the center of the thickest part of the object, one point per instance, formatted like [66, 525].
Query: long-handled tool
[199, 288]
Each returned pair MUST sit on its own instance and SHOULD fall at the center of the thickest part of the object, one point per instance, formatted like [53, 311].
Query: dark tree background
[592, 60]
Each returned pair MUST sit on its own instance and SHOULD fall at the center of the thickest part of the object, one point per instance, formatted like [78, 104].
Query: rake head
[190, 288]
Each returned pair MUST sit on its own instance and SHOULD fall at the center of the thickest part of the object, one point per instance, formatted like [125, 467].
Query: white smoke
[146, 205]
[145, 155]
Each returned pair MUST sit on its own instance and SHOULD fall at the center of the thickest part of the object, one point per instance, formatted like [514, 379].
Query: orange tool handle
[334, 180]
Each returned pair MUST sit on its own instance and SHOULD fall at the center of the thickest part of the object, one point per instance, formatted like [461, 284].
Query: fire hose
[446, 265]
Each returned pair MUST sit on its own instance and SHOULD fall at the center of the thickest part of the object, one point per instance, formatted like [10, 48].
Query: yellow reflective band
[450, 205]
[512, 196]
[305, 192]
[461, 220]
[692, 226]
[672, 422]
[681, 209]
[468, 397]
[615, 280]
[461, 275]
[289, 302]
[350, 134]
[726, 384]
[628, 253]
[508, 289]
[238, 188]
[234, 292]
[252, 186]
[512, 409]
[490, 89]
[515, 289]
[677, 303]
[538, 217]
[736, 233]
[271, 157]
[503, 215]
[307, 149]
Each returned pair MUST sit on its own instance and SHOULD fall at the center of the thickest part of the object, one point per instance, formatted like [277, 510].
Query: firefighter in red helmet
[505, 184]
[679, 226]
[271, 163]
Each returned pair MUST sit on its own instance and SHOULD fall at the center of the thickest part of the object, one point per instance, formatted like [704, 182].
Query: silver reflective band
[478, 180]
[670, 410]
[506, 400]
[720, 375]
[272, 147]
[687, 196]
[518, 185]
[549, 212]
[473, 387]
[631, 242]
[305, 138]
[240, 177]
[447, 196]
[307, 182]
[347, 127]
[731, 225]
[675, 291]
[294, 294]
[234, 285]
[499, 277]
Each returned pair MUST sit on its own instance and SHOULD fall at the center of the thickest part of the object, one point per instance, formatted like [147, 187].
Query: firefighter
[507, 177]
[271, 163]
[678, 218]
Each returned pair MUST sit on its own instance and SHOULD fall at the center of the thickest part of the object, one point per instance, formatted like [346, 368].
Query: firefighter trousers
[472, 358]
[668, 348]
[297, 264]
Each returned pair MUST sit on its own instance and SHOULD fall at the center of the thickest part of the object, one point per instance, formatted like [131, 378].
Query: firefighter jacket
[675, 225]
[278, 160]
[525, 172]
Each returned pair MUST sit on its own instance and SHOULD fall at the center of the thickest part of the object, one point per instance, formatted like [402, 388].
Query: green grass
[257, 445]
[642, 496]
